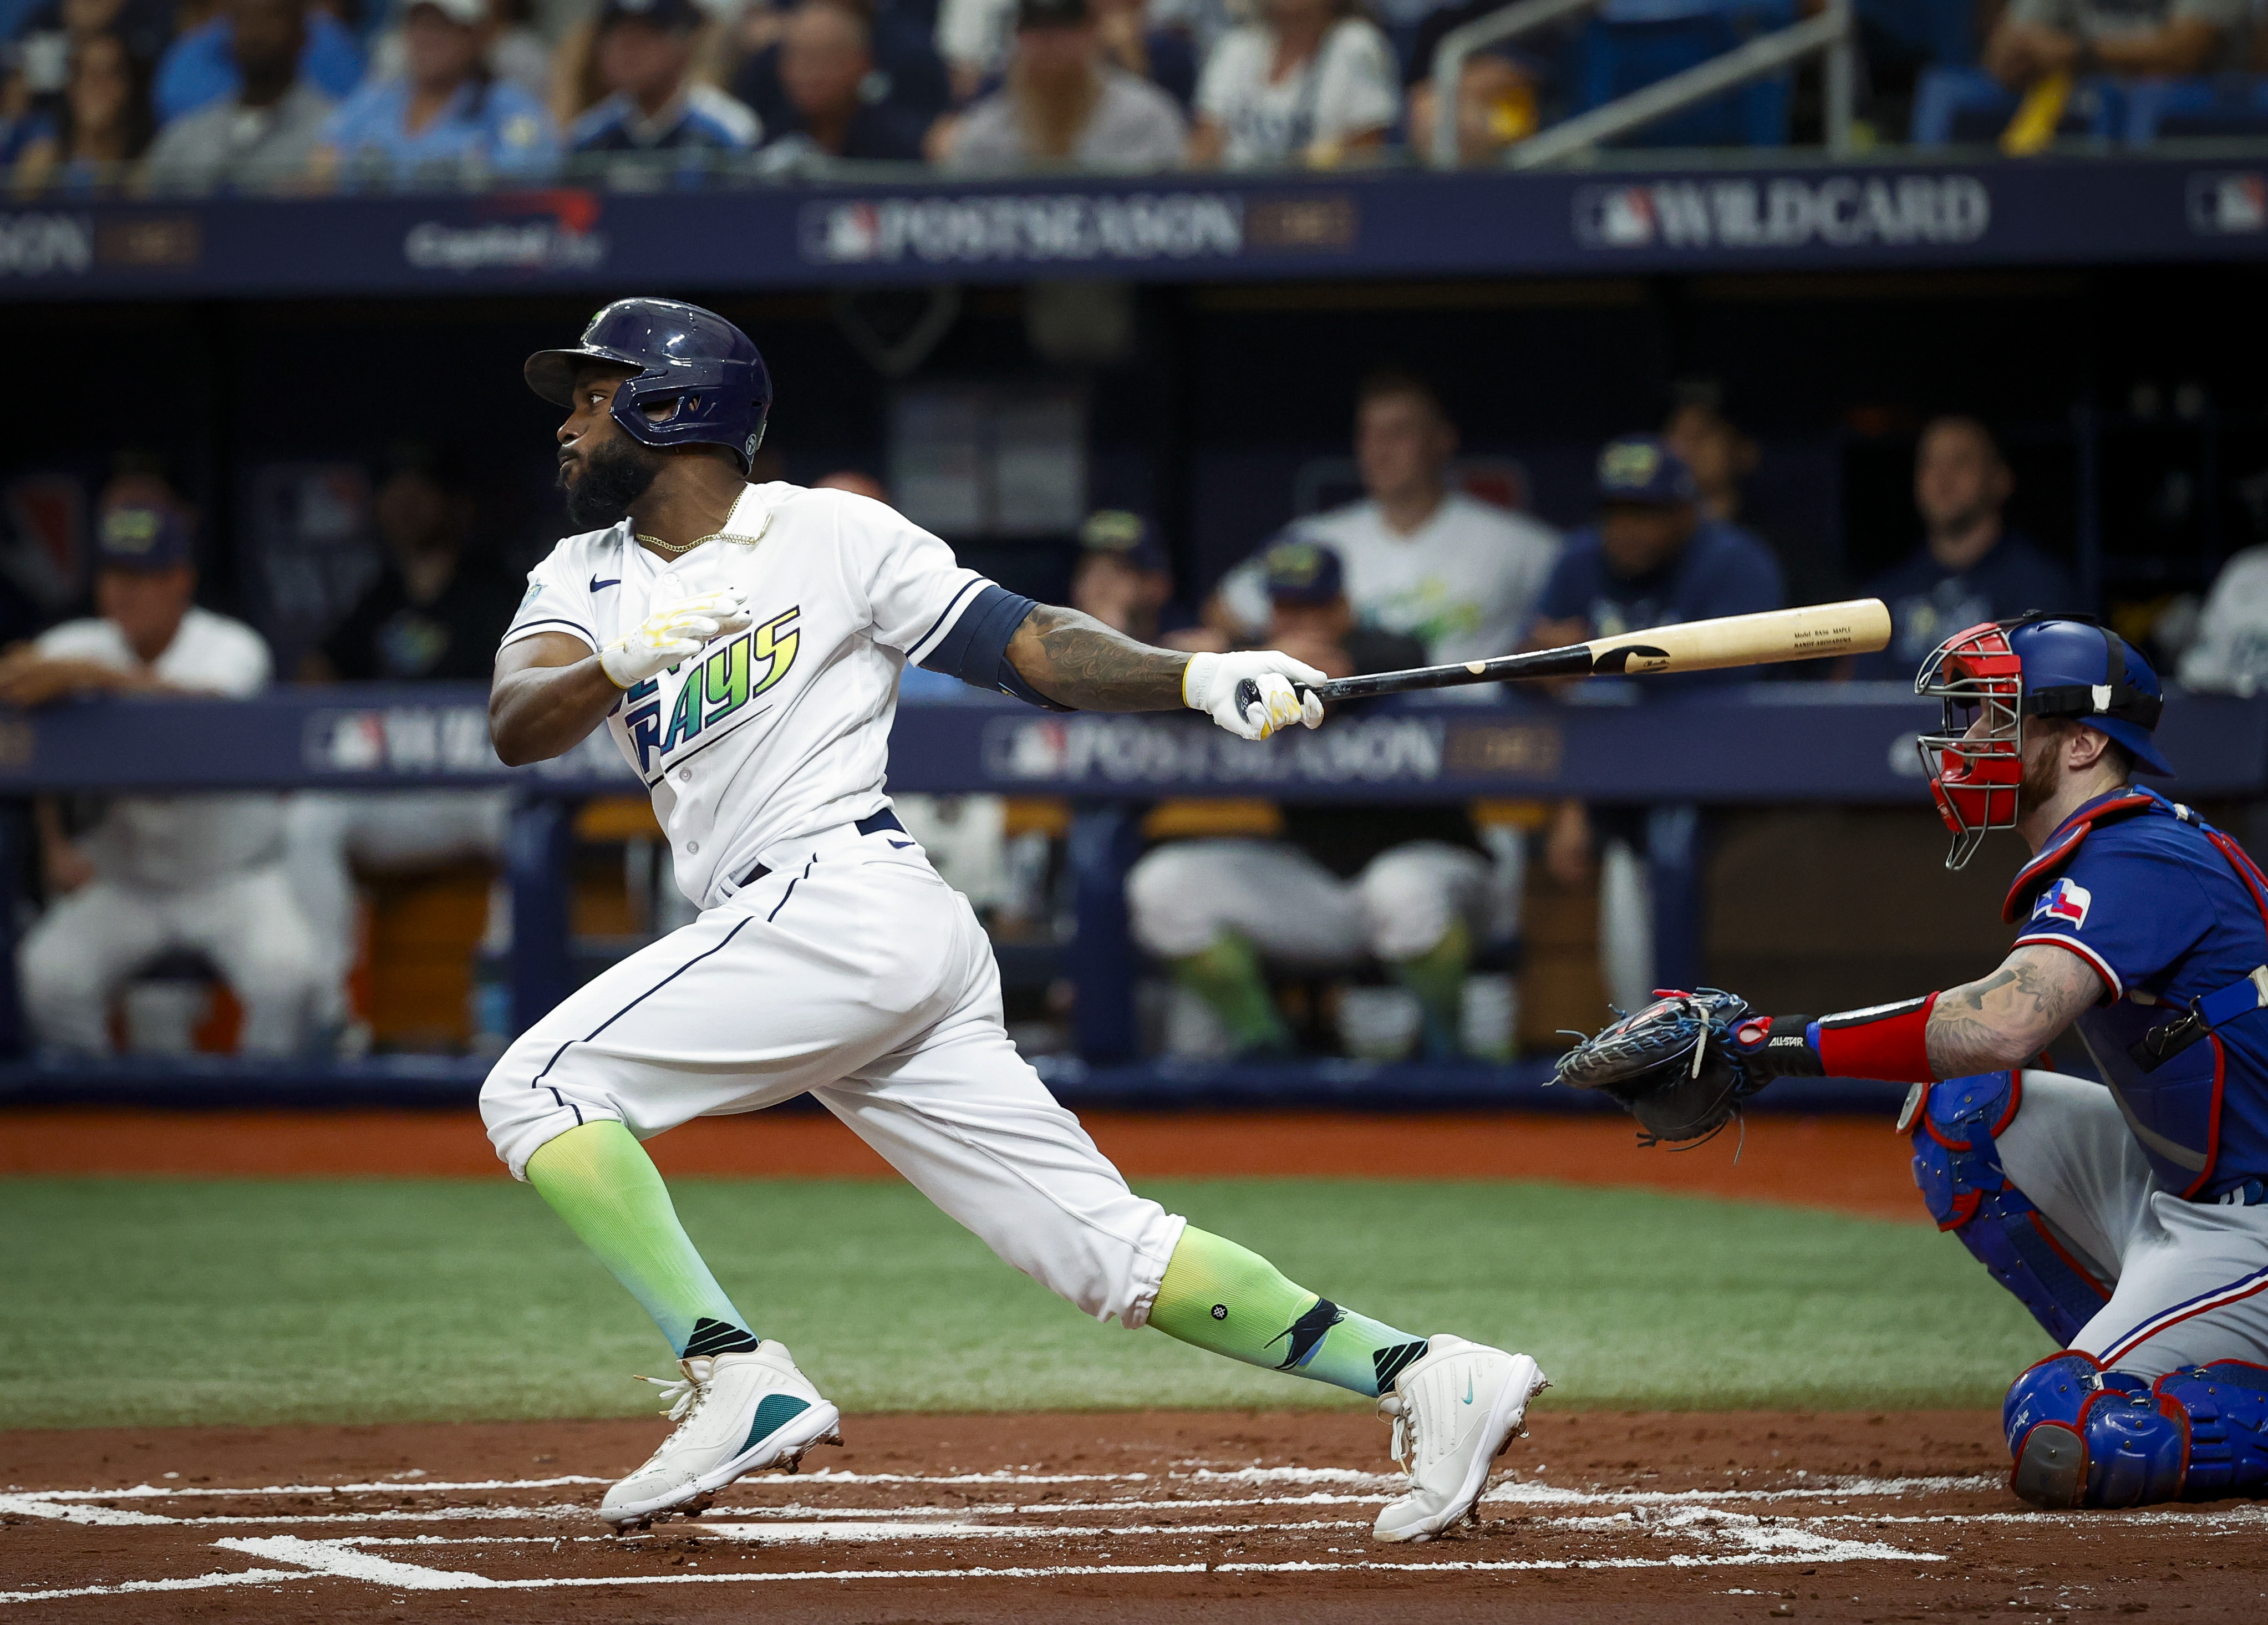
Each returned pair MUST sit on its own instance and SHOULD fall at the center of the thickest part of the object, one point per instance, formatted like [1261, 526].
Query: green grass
[158, 1302]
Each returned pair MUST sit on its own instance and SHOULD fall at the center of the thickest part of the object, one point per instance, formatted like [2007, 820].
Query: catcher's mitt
[1672, 1065]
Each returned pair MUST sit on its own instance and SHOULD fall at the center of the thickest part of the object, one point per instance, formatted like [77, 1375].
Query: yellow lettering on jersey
[725, 681]
[776, 642]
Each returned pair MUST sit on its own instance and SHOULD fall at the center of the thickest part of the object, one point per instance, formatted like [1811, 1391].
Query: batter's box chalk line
[1684, 1529]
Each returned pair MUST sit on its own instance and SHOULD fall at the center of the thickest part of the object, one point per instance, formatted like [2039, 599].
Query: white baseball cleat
[736, 1413]
[1453, 1411]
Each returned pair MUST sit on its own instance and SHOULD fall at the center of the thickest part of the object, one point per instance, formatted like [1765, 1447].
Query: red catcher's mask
[1977, 763]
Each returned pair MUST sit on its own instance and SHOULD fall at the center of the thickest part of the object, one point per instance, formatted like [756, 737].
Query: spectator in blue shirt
[1970, 566]
[646, 57]
[826, 77]
[447, 114]
[200, 67]
[1653, 558]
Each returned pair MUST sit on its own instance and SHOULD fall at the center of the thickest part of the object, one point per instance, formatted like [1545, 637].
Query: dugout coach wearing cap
[1406, 885]
[1652, 558]
[158, 873]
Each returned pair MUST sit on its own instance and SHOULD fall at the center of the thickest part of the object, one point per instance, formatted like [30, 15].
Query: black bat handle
[1247, 693]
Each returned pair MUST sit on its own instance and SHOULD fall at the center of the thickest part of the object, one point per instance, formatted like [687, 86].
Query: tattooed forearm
[2008, 1017]
[1075, 661]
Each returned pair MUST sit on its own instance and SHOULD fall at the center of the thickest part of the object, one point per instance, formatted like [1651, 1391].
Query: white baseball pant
[87, 946]
[2188, 1281]
[1182, 897]
[853, 973]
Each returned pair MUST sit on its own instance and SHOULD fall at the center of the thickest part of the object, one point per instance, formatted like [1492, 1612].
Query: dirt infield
[1857, 1165]
[1603, 1517]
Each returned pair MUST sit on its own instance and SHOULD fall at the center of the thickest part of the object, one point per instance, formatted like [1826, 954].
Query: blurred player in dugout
[156, 875]
[1413, 887]
[1420, 558]
[1653, 557]
[433, 614]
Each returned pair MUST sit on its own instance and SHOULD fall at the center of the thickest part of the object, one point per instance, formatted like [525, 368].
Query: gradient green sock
[1226, 975]
[1438, 978]
[1231, 1301]
[598, 1179]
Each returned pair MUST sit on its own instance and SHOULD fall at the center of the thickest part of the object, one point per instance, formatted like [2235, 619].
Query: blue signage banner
[1177, 228]
[1772, 743]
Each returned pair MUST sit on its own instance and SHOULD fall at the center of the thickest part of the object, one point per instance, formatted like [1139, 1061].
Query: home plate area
[1593, 1515]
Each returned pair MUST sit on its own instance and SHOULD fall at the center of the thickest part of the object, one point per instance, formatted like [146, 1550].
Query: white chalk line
[192, 1583]
[337, 1561]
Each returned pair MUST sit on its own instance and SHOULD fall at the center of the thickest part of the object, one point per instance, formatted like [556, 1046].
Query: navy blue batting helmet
[695, 379]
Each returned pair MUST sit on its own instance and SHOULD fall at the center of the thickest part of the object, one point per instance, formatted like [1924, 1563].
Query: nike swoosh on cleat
[1469, 1388]
[596, 584]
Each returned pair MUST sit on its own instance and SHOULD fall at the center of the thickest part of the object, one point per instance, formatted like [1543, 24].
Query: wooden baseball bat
[1816, 632]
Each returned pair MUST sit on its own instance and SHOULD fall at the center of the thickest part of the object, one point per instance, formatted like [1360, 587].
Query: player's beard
[613, 477]
[2042, 777]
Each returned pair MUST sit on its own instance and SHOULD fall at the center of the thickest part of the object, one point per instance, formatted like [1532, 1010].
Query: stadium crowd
[195, 95]
[1417, 909]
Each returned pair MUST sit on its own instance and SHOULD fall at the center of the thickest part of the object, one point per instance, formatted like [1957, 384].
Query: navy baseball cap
[1126, 536]
[1642, 469]
[669, 16]
[1303, 571]
[141, 535]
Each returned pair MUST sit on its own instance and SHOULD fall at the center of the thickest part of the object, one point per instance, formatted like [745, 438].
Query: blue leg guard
[2225, 1408]
[1958, 1166]
[2083, 1436]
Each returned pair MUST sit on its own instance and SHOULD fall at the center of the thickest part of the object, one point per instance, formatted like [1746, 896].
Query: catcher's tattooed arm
[2005, 1019]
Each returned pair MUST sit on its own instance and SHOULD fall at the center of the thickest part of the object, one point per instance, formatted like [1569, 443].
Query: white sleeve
[241, 663]
[912, 588]
[1358, 92]
[1219, 87]
[558, 600]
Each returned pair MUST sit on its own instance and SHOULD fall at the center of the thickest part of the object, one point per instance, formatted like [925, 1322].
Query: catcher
[2130, 1220]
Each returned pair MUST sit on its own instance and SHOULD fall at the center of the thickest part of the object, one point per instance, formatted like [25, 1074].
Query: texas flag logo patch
[2068, 901]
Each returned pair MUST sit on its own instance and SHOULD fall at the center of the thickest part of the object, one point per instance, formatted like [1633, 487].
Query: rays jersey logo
[2068, 901]
[710, 694]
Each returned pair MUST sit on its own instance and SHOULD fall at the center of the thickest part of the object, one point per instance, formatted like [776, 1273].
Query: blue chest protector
[2169, 1066]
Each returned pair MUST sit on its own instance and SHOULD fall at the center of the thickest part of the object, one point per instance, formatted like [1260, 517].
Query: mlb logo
[1616, 216]
[2228, 205]
[2068, 901]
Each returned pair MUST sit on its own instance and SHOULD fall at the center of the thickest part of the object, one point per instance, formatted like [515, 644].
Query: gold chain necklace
[673, 547]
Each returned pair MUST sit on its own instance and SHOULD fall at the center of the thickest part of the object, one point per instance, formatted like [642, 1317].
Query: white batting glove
[674, 632]
[1210, 683]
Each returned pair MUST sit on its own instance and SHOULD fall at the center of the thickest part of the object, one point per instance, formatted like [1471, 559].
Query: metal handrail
[1461, 41]
[1831, 34]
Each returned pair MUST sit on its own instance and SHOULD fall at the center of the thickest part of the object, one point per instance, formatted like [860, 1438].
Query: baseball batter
[742, 644]
[2130, 1220]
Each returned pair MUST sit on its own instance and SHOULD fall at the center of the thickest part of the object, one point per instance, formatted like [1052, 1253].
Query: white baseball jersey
[165, 842]
[782, 731]
[1463, 583]
[851, 971]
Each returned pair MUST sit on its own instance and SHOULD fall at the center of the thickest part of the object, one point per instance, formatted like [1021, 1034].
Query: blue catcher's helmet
[1993, 676]
[692, 361]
